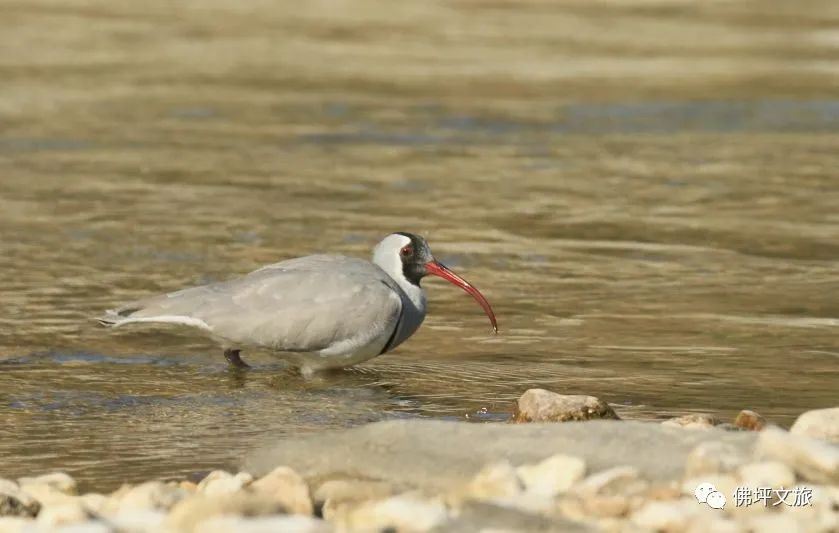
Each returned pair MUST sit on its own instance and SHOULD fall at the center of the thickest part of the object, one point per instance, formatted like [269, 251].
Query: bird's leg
[233, 358]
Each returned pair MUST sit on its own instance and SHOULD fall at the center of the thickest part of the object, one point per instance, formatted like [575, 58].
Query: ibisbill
[317, 312]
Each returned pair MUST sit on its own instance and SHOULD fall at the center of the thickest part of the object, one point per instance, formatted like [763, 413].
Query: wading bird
[318, 312]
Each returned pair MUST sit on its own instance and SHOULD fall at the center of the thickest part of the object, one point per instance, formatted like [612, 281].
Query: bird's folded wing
[293, 306]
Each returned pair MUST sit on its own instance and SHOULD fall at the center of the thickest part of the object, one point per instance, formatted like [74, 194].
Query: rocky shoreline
[567, 464]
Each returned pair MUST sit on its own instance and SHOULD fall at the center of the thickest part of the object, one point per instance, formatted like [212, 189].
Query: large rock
[819, 423]
[438, 455]
[812, 459]
[540, 405]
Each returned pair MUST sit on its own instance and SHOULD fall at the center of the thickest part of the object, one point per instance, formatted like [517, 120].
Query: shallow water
[654, 224]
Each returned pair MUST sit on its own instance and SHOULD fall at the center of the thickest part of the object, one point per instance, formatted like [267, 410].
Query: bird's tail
[116, 317]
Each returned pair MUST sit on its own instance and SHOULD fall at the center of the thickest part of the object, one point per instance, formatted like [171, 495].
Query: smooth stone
[823, 514]
[408, 453]
[266, 524]
[14, 502]
[813, 459]
[749, 420]
[496, 480]
[665, 515]
[14, 524]
[775, 523]
[715, 524]
[488, 518]
[405, 512]
[138, 521]
[540, 405]
[91, 526]
[189, 512]
[693, 421]
[220, 482]
[286, 487]
[148, 496]
[715, 457]
[605, 506]
[620, 480]
[333, 494]
[818, 423]
[94, 502]
[69, 512]
[57, 481]
[46, 495]
[188, 486]
[553, 476]
[773, 474]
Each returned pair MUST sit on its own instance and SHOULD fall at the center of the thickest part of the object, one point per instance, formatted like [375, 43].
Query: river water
[646, 192]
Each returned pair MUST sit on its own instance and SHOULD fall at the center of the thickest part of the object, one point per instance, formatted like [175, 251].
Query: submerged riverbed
[646, 194]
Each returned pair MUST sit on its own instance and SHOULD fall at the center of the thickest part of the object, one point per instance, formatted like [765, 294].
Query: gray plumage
[320, 311]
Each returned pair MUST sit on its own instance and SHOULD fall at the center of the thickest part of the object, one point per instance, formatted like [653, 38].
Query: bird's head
[408, 256]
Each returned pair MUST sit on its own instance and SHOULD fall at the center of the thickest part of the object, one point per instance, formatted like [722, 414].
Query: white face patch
[386, 254]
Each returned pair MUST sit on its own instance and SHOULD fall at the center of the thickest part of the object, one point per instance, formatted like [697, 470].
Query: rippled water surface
[646, 193]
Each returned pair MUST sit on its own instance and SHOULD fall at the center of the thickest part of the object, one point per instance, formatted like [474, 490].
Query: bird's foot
[233, 358]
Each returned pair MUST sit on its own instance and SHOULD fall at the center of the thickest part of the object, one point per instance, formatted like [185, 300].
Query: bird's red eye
[407, 251]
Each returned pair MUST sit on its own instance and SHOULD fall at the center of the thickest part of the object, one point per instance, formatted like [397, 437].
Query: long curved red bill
[438, 269]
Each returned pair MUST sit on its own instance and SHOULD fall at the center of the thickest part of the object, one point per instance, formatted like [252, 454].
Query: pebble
[189, 512]
[812, 459]
[496, 480]
[693, 421]
[715, 524]
[540, 405]
[405, 512]
[94, 502]
[14, 502]
[148, 496]
[69, 512]
[553, 476]
[766, 474]
[665, 516]
[774, 523]
[287, 487]
[57, 481]
[14, 524]
[749, 421]
[267, 524]
[220, 482]
[333, 494]
[818, 423]
[142, 521]
[624, 480]
[714, 457]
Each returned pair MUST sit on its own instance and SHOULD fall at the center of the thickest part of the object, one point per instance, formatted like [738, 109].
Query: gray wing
[306, 304]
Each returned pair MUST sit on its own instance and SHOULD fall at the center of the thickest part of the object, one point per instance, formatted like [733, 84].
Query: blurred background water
[645, 190]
